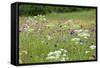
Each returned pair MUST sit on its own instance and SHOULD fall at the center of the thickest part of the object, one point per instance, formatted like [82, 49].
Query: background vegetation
[42, 9]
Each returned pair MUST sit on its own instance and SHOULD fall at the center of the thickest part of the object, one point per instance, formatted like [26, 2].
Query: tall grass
[34, 46]
[83, 15]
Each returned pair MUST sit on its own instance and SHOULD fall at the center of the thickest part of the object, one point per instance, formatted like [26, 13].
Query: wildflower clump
[58, 55]
[40, 18]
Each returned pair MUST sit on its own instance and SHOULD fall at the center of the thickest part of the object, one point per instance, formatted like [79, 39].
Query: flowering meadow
[57, 37]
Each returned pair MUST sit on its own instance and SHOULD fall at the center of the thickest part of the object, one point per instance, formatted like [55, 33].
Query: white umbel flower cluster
[92, 47]
[40, 18]
[58, 55]
[83, 33]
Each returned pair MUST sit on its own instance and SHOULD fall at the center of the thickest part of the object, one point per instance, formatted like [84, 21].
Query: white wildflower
[40, 15]
[78, 31]
[84, 34]
[57, 52]
[62, 49]
[64, 55]
[20, 61]
[49, 37]
[24, 52]
[64, 26]
[44, 19]
[87, 52]
[75, 26]
[65, 51]
[50, 57]
[86, 37]
[81, 43]
[92, 46]
[50, 53]
[35, 16]
[59, 55]
[75, 39]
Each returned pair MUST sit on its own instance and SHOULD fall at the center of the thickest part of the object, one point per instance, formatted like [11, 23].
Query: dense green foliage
[42, 9]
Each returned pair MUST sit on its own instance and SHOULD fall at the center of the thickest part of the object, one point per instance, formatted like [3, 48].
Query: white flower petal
[87, 52]
[51, 57]
[92, 46]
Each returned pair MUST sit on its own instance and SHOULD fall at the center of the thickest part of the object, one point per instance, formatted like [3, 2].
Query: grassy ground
[73, 32]
[85, 15]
